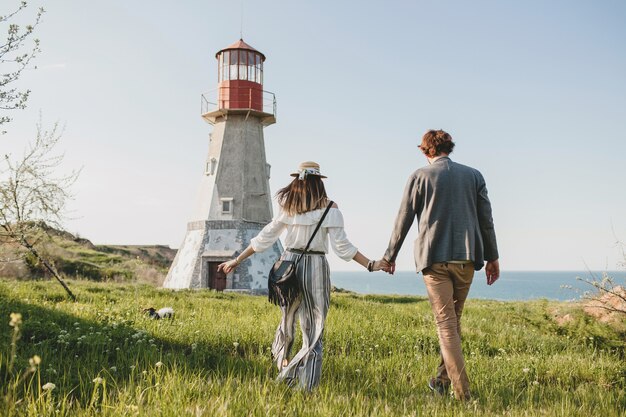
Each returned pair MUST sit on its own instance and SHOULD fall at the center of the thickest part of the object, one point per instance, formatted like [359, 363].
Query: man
[455, 235]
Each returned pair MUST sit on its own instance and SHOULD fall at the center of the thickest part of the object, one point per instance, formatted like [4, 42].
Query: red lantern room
[240, 85]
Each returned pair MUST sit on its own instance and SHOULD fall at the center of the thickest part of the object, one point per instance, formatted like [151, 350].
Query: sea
[513, 285]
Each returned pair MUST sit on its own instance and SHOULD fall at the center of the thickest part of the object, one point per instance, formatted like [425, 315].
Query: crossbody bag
[283, 283]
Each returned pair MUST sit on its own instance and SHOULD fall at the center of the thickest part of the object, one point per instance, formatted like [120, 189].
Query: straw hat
[308, 168]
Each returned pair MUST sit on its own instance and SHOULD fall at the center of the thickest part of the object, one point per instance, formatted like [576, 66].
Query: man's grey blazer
[453, 215]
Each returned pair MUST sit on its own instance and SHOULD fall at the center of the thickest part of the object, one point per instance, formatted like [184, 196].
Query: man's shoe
[438, 386]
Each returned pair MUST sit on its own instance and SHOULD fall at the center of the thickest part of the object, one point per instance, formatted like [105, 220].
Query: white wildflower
[16, 319]
[235, 344]
[48, 386]
[98, 380]
[158, 364]
[526, 370]
[113, 369]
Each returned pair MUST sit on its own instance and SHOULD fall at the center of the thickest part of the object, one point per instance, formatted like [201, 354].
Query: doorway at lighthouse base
[213, 278]
[209, 243]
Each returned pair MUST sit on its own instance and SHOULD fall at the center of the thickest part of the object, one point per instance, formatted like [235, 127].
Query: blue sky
[534, 94]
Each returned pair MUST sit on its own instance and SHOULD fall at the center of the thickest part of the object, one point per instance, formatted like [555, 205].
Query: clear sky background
[533, 93]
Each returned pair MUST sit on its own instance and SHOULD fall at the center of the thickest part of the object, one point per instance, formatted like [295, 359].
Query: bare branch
[33, 195]
[14, 59]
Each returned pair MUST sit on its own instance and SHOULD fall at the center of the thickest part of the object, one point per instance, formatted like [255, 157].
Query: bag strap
[330, 204]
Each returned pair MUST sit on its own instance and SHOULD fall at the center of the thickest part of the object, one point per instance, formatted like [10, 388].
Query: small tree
[32, 196]
[14, 58]
[608, 295]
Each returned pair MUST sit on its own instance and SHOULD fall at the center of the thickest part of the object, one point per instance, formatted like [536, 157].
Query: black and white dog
[163, 313]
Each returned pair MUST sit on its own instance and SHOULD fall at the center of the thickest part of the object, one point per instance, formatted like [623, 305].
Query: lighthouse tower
[234, 199]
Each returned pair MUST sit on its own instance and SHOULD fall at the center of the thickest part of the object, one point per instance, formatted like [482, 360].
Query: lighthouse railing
[237, 99]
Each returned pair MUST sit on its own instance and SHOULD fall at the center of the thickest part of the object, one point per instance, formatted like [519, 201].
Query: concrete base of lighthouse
[209, 243]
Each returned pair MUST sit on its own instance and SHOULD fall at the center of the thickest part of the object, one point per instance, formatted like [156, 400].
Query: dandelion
[158, 364]
[16, 320]
[48, 386]
[98, 381]
[35, 360]
[526, 370]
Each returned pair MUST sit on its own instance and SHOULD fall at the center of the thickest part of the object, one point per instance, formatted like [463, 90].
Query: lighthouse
[234, 199]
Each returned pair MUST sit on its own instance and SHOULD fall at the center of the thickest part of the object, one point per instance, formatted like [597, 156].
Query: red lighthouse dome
[240, 85]
[240, 77]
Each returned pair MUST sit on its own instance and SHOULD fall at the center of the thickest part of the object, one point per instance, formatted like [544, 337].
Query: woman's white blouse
[300, 228]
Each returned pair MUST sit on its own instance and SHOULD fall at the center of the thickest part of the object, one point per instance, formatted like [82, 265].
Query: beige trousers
[448, 285]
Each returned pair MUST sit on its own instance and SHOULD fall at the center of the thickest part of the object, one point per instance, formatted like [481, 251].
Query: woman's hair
[303, 195]
[435, 142]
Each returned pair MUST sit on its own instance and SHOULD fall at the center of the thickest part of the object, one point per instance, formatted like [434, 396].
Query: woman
[302, 204]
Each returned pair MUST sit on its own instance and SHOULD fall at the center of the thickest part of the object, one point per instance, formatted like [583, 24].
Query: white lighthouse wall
[207, 196]
[181, 272]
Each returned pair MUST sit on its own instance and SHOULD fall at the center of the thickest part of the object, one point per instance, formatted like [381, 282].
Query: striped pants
[311, 307]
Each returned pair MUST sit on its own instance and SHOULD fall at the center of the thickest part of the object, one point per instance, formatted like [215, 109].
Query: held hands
[492, 270]
[384, 266]
[390, 267]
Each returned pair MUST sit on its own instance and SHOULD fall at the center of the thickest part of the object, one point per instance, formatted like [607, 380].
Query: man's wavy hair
[436, 142]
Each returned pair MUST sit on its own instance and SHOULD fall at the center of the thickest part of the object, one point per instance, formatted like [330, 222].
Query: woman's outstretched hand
[228, 266]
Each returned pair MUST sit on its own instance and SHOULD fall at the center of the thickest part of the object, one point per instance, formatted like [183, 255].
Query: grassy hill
[107, 358]
[75, 257]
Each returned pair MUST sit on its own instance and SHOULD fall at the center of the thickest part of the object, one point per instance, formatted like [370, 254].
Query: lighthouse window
[243, 65]
[220, 64]
[227, 205]
[223, 75]
[210, 166]
[251, 74]
[234, 59]
[257, 72]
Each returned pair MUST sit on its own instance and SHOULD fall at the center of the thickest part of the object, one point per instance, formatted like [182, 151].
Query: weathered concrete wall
[219, 241]
[241, 171]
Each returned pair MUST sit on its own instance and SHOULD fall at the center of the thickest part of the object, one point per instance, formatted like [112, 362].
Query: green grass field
[105, 357]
